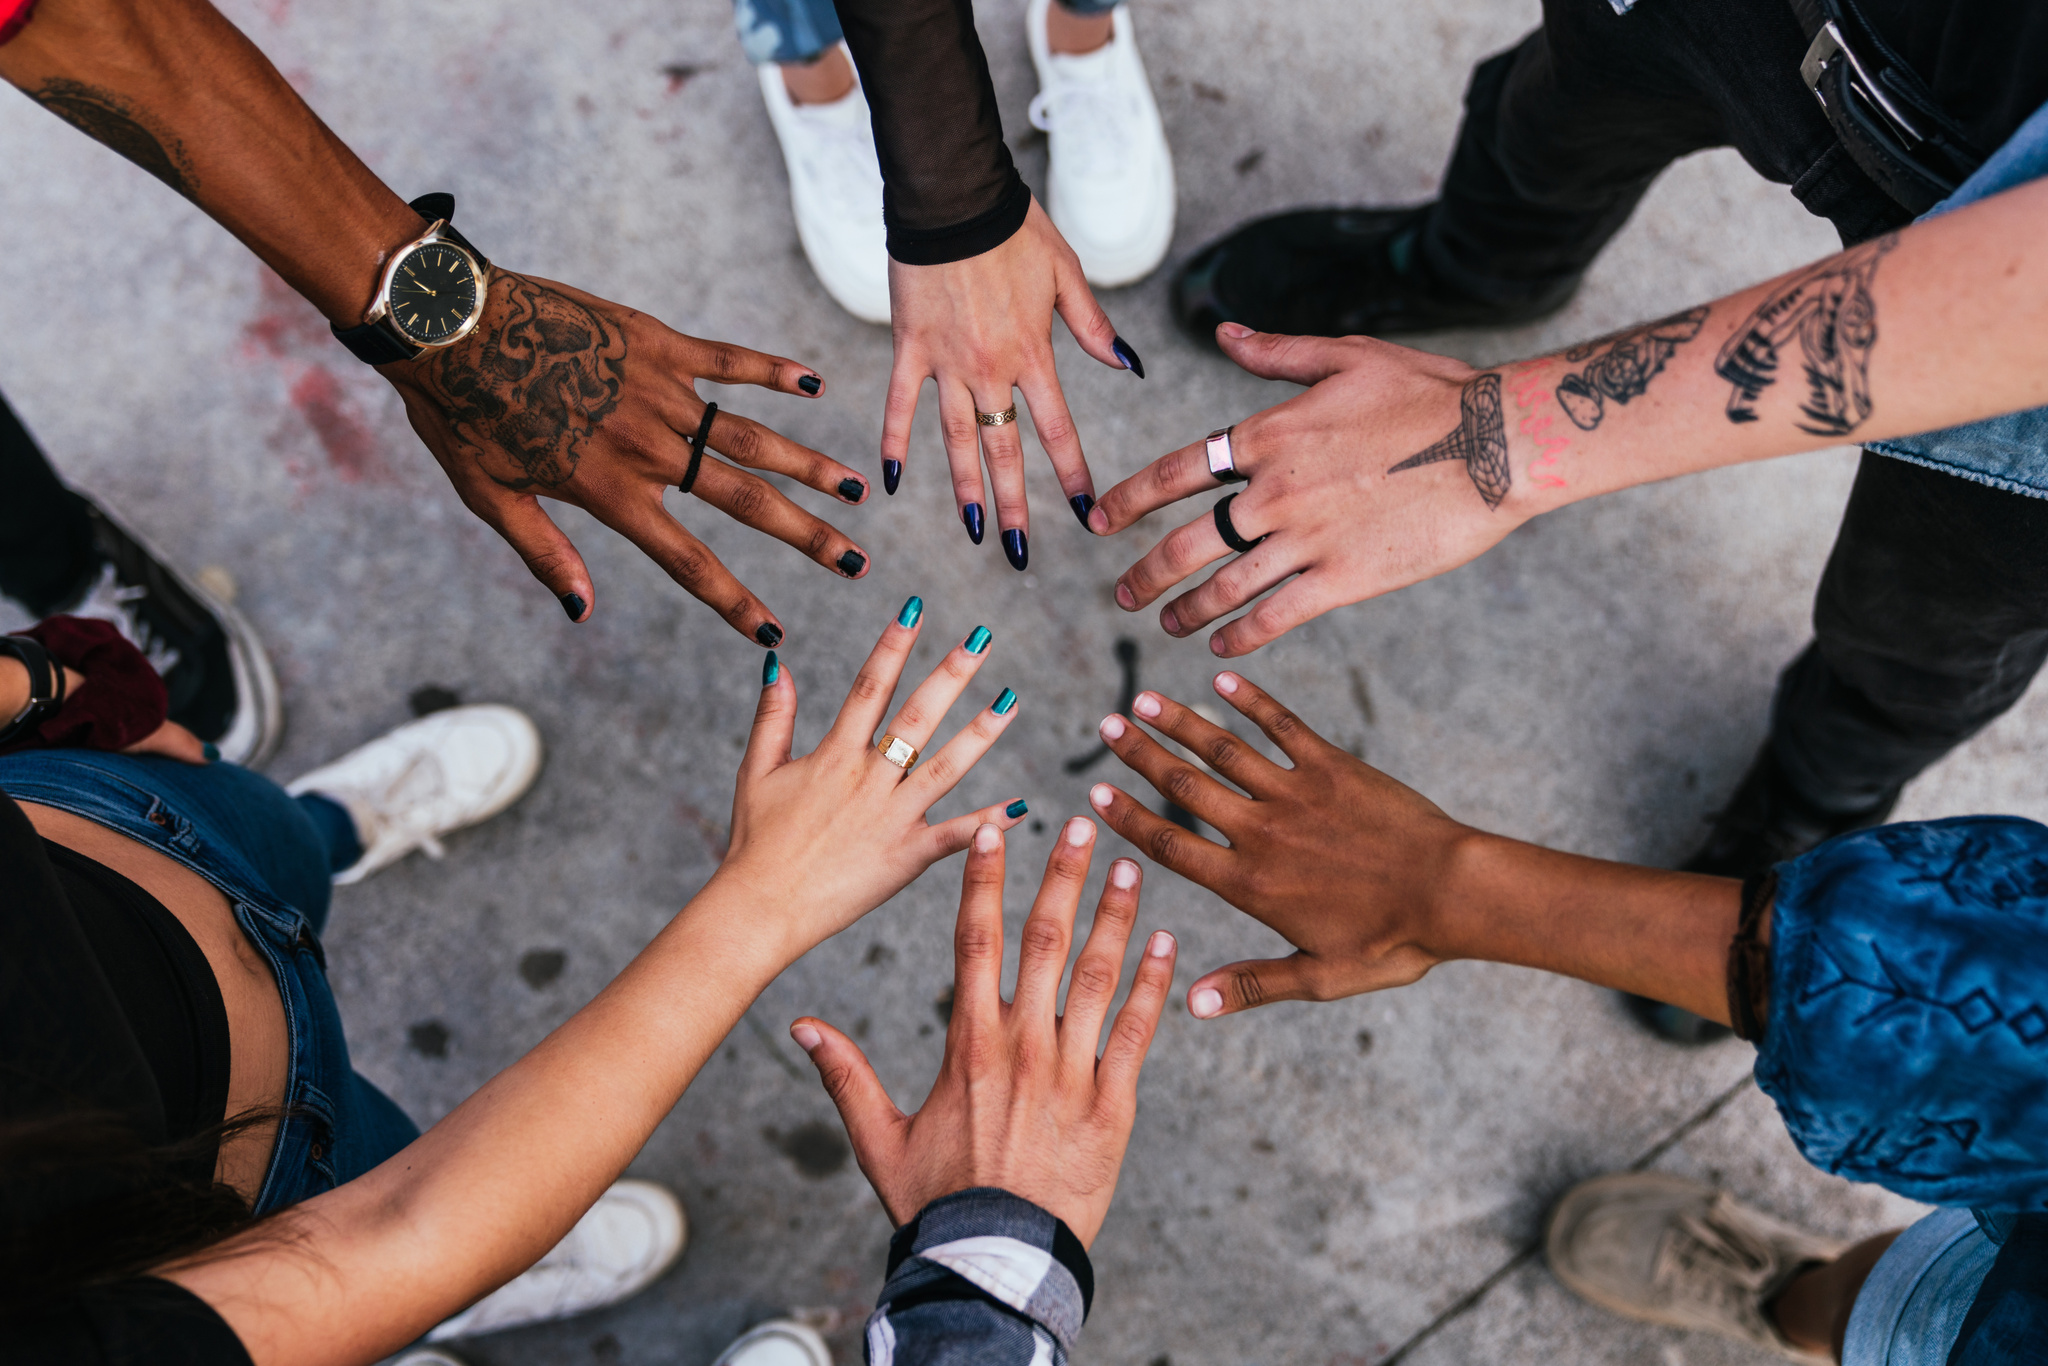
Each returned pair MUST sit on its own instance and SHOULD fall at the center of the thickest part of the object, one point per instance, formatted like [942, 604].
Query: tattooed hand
[561, 395]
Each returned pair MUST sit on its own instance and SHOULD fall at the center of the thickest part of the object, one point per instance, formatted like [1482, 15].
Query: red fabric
[13, 15]
[122, 700]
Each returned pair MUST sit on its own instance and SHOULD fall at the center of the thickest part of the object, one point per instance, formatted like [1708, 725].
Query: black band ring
[1229, 532]
[697, 447]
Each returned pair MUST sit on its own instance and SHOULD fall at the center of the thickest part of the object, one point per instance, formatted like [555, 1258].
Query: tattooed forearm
[1480, 440]
[105, 117]
[1829, 312]
[1624, 370]
[527, 390]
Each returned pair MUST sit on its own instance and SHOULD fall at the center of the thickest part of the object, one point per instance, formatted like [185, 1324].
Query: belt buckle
[1826, 45]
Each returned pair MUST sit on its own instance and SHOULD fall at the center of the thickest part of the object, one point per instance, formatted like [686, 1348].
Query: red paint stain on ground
[351, 447]
[290, 333]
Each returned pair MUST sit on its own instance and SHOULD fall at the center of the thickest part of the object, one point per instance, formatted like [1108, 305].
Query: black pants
[47, 551]
[1932, 615]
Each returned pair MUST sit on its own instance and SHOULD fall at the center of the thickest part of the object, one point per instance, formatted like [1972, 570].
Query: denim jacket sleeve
[1908, 1034]
[981, 1278]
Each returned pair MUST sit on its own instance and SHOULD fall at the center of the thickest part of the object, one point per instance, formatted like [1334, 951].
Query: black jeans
[47, 549]
[1932, 616]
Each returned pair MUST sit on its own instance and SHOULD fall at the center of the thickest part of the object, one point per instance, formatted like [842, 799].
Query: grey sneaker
[1668, 1250]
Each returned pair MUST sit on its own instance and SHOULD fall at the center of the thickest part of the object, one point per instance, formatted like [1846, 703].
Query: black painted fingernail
[769, 634]
[1128, 357]
[851, 490]
[810, 384]
[1018, 547]
[572, 603]
[976, 523]
[892, 470]
[1082, 504]
[852, 562]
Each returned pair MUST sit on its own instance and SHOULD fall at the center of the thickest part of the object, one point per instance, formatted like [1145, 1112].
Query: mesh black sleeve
[950, 190]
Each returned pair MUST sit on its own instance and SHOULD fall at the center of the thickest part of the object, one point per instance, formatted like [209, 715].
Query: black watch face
[433, 293]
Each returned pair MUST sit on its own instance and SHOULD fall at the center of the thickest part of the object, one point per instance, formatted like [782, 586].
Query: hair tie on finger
[1229, 532]
[697, 447]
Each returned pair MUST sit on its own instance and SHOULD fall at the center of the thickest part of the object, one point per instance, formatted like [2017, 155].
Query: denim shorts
[273, 857]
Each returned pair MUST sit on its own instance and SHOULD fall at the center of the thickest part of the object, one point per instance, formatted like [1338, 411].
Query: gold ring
[898, 751]
[1006, 416]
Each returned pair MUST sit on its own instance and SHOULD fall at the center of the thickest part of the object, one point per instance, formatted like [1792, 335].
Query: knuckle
[938, 769]
[724, 360]
[1054, 429]
[867, 687]
[688, 564]
[1042, 939]
[959, 431]
[1222, 752]
[819, 542]
[750, 499]
[744, 444]
[1246, 987]
[972, 943]
[1131, 1032]
[1093, 977]
[1167, 845]
[1182, 786]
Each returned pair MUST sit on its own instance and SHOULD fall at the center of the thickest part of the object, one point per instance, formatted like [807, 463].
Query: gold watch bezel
[380, 314]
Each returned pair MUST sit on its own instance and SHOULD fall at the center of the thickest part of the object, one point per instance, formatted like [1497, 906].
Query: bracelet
[46, 685]
[1749, 963]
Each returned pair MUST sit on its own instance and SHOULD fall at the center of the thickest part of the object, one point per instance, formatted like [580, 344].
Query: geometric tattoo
[1480, 440]
[1633, 358]
[107, 118]
[1829, 312]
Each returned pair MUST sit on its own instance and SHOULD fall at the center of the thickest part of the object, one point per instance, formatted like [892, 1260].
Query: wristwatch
[431, 294]
[46, 685]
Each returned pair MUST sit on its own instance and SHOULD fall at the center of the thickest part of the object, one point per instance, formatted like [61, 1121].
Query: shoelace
[393, 799]
[113, 603]
[1092, 119]
[1708, 1252]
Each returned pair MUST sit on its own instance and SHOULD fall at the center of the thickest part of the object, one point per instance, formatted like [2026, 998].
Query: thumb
[548, 553]
[1245, 986]
[873, 1122]
[774, 722]
[1274, 355]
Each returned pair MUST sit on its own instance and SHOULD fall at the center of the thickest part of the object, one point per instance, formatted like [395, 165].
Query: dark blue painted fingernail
[978, 641]
[975, 521]
[851, 563]
[912, 613]
[1082, 504]
[1017, 546]
[892, 471]
[572, 603]
[1017, 808]
[1004, 704]
[810, 384]
[771, 669]
[851, 490]
[211, 751]
[1128, 357]
[769, 634]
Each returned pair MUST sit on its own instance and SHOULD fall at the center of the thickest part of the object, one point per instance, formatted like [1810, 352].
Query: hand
[563, 395]
[170, 739]
[982, 328]
[1339, 858]
[833, 835]
[1021, 1101]
[1322, 490]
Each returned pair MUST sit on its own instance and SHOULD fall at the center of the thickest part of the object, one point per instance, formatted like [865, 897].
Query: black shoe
[1334, 273]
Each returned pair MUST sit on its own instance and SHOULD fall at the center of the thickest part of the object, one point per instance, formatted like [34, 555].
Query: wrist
[746, 916]
[1460, 910]
[14, 691]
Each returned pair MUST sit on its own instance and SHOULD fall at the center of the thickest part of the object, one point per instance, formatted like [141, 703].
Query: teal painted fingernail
[1002, 705]
[912, 612]
[1016, 808]
[978, 642]
[771, 669]
[211, 751]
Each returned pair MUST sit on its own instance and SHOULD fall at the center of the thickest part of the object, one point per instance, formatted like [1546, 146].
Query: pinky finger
[950, 837]
[1130, 1037]
[1302, 600]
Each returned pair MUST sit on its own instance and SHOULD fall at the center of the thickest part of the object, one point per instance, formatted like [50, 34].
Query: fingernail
[1170, 619]
[1101, 795]
[1226, 683]
[1082, 504]
[852, 562]
[1160, 944]
[851, 490]
[1079, 831]
[808, 1038]
[1004, 704]
[573, 604]
[769, 634]
[771, 669]
[1216, 644]
[1123, 874]
[1125, 598]
[810, 384]
[972, 517]
[1128, 357]
[1112, 727]
[1017, 808]
[892, 470]
[1146, 705]
[1018, 548]
[988, 839]
[211, 751]
[977, 642]
[912, 613]
[1098, 522]
[1235, 331]
[1205, 1003]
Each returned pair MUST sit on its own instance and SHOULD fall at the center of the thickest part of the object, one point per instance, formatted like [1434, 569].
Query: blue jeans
[1918, 1294]
[801, 30]
[273, 856]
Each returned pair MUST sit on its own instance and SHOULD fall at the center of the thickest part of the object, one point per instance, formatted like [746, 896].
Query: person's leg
[1076, 27]
[47, 551]
[1813, 1309]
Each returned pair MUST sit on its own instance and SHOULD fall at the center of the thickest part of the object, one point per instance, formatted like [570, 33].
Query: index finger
[724, 363]
[1181, 474]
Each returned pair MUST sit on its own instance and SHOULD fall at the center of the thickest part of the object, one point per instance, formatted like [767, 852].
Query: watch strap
[376, 344]
[45, 685]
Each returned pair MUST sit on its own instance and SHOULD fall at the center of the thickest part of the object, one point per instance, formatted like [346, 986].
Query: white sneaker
[1109, 187]
[634, 1232]
[779, 1342]
[835, 190]
[444, 772]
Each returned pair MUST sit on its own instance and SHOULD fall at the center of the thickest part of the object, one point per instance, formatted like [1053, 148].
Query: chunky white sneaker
[835, 190]
[444, 772]
[779, 1342]
[634, 1232]
[1109, 187]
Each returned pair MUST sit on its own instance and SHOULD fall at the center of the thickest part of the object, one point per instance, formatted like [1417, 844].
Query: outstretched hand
[1022, 1102]
[558, 394]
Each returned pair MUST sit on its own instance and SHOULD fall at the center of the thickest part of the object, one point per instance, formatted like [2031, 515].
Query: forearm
[176, 88]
